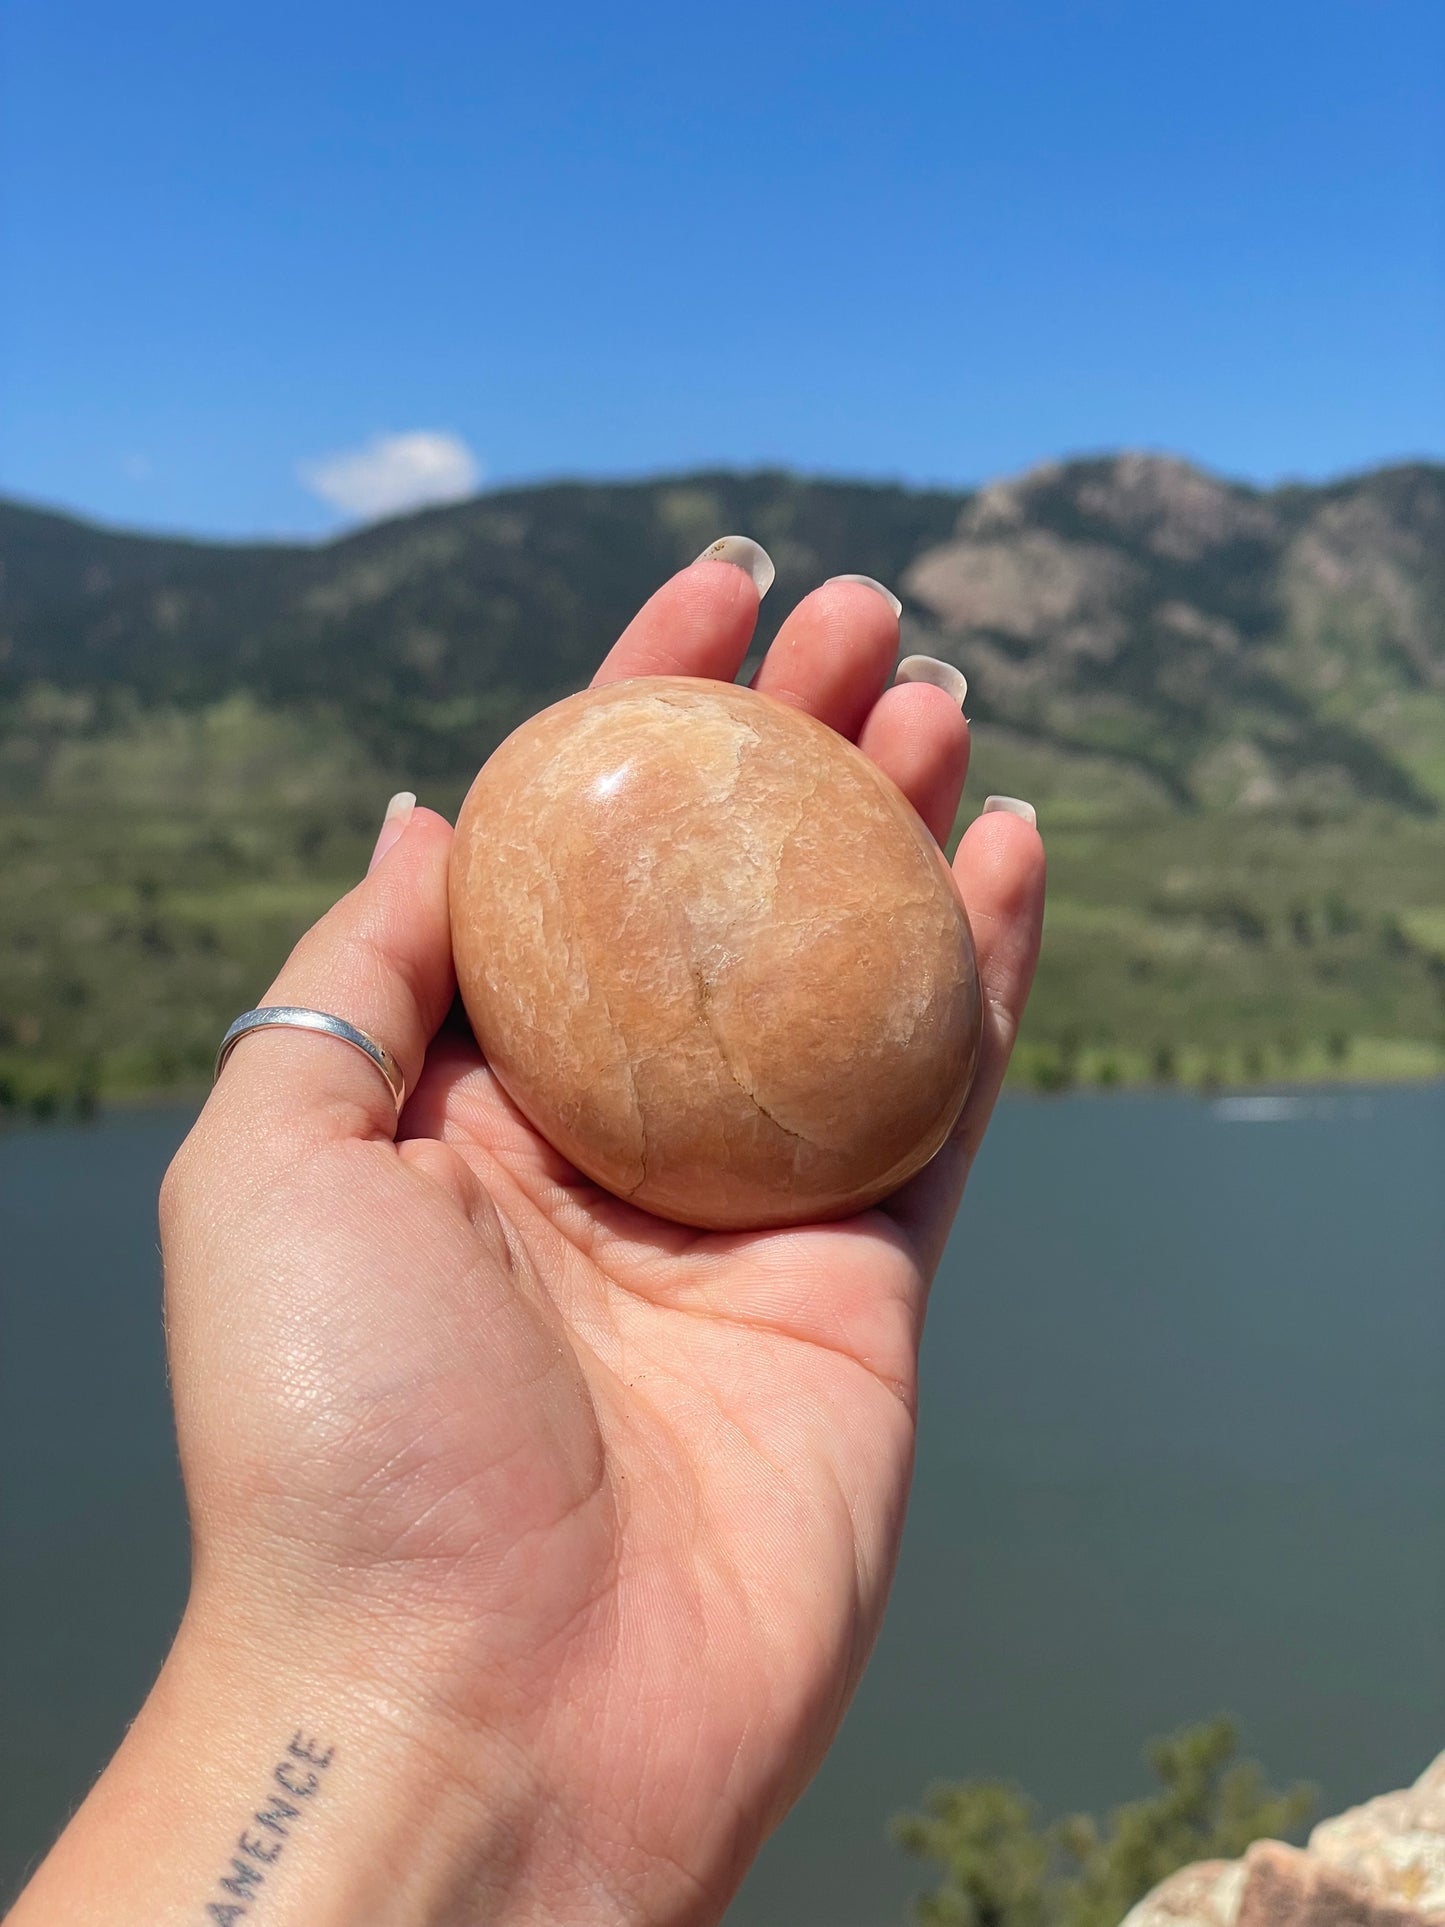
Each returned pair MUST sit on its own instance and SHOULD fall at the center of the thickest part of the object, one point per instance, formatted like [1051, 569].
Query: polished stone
[713, 954]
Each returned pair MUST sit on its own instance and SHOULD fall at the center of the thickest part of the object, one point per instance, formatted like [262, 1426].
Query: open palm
[616, 1502]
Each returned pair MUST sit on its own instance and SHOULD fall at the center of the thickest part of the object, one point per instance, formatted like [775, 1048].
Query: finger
[1000, 872]
[381, 959]
[701, 621]
[835, 652]
[917, 735]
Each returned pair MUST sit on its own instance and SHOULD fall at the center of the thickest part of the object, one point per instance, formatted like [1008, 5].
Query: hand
[564, 1531]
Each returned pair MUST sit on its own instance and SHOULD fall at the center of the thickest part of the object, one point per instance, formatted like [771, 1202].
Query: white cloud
[391, 473]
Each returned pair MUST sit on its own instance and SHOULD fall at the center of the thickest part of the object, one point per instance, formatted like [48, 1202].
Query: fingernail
[745, 554]
[942, 675]
[398, 815]
[872, 582]
[1012, 806]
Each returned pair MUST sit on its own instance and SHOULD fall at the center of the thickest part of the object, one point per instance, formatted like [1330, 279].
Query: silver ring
[294, 1017]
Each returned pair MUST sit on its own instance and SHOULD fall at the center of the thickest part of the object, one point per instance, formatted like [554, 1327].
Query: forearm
[256, 1792]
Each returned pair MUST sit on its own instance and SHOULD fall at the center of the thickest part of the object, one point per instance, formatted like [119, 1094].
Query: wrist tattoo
[296, 1780]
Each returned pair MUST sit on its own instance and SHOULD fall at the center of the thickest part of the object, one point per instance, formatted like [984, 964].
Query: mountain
[1228, 645]
[1227, 702]
[424, 635]
[1235, 645]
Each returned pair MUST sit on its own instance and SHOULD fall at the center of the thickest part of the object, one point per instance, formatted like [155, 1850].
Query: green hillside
[1228, 704]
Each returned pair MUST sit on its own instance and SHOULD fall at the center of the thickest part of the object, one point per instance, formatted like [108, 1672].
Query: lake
[1182, 1451]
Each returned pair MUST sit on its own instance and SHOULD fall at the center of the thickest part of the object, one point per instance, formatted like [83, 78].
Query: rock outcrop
[1378, 1865]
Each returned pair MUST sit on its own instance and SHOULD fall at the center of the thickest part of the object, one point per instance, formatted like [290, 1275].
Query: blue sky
[938, 242]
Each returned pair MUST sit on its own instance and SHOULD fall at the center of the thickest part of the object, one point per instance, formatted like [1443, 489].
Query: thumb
[382, 960]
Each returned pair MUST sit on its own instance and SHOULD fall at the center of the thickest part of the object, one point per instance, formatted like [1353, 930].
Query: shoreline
[1259, 1099]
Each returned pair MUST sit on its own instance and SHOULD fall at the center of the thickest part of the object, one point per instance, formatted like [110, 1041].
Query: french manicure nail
[1012, 806]
[745, 554]
[943, 675]
[398, 815]
[872, 582]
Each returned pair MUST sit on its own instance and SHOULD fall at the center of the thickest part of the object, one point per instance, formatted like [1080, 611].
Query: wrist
[278, 1786]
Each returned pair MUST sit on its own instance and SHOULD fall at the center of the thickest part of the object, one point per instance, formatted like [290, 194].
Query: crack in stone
[704, 1002]
[590, 991]
[630, 1072]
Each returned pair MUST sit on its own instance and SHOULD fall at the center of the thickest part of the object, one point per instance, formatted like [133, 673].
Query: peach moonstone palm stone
[713, 955]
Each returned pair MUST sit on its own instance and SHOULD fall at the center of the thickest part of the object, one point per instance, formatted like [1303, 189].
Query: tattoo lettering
[299, 1774]
[275, 1815]
[286, 1777]
[241, 1879]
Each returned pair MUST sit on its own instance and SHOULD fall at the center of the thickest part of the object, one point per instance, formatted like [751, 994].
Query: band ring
[295, 1017]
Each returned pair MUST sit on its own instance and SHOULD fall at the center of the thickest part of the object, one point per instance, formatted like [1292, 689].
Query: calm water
[1183, 1450]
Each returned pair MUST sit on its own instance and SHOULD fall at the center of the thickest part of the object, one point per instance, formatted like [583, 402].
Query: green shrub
[997, 1867]
[1052, 1071]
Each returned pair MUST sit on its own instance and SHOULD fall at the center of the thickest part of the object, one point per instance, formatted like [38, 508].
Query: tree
[999, 1868]
[995, 1860]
